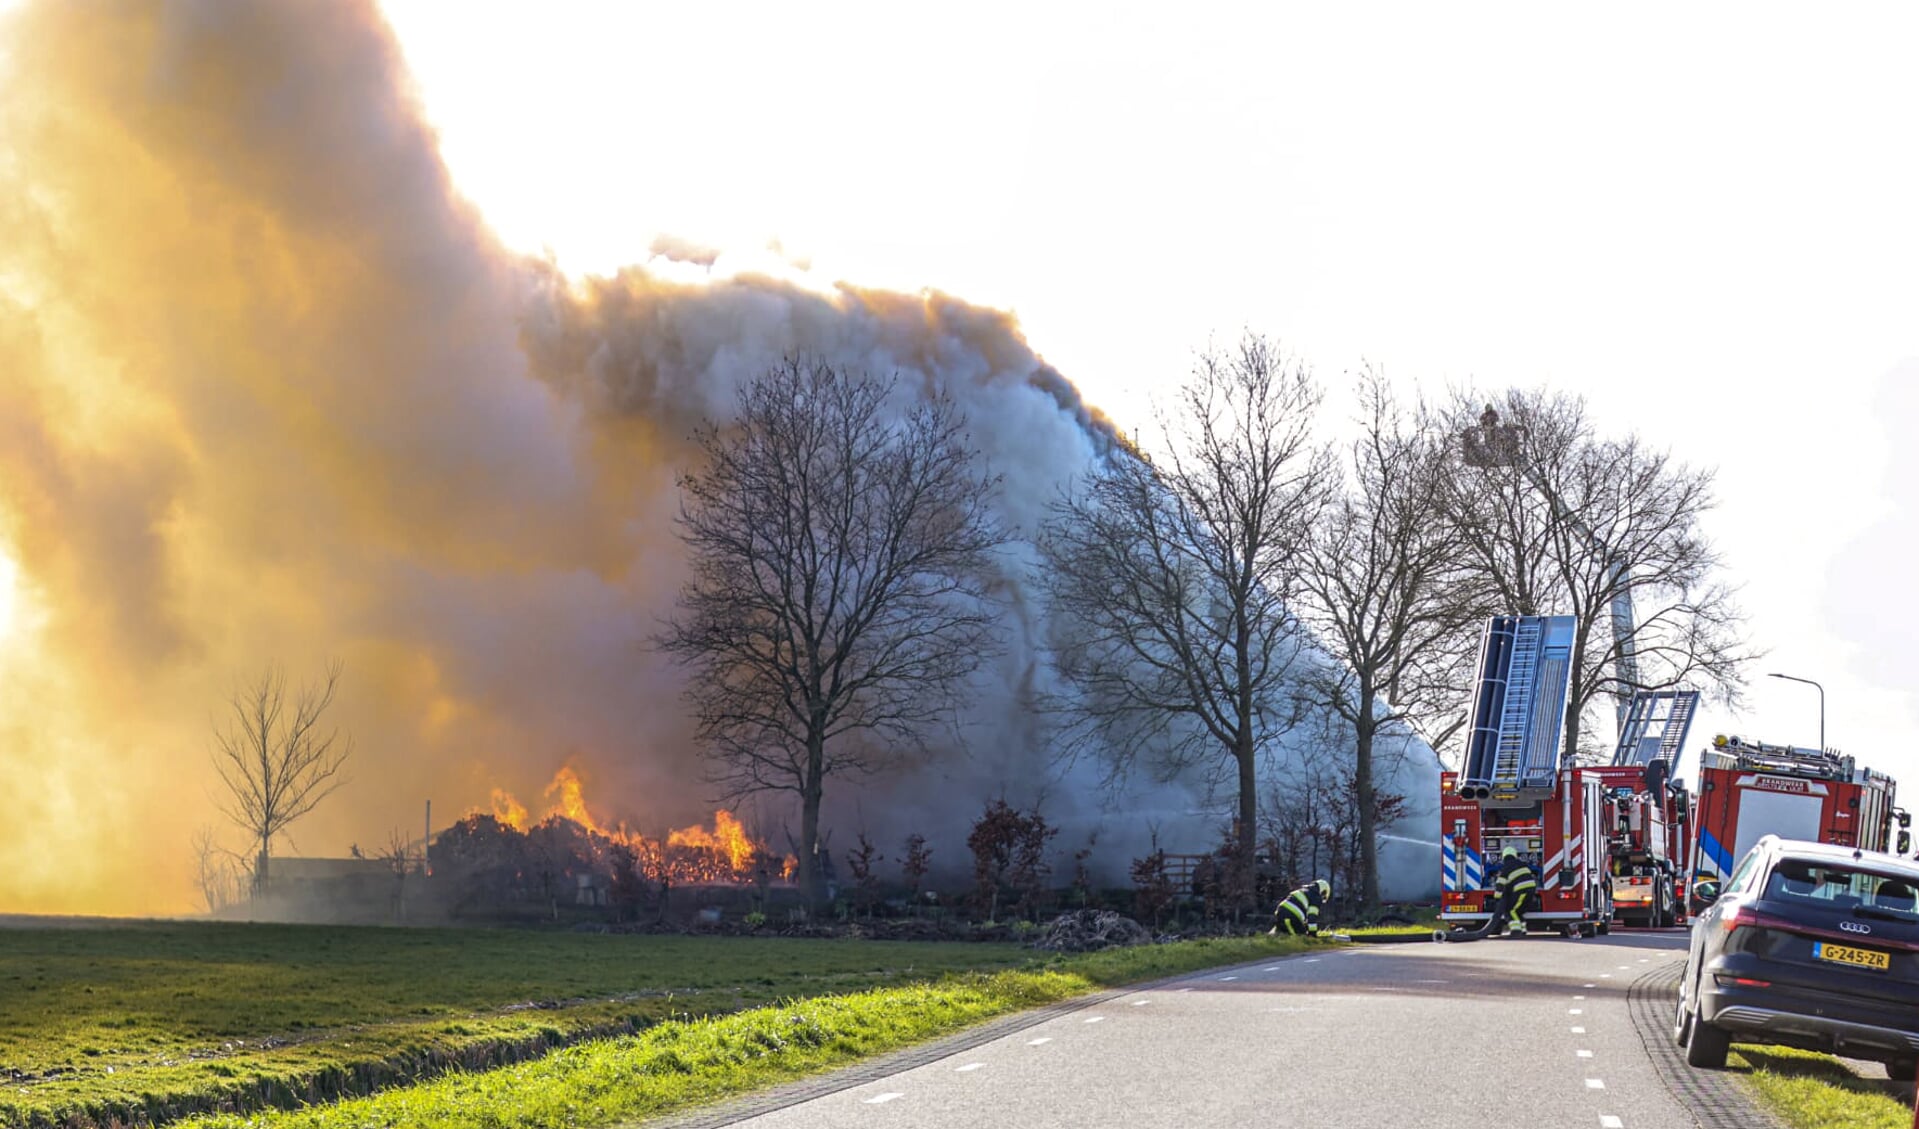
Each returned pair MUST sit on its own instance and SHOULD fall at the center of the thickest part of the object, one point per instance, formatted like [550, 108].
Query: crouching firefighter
[1298, 912]
[1518, 891]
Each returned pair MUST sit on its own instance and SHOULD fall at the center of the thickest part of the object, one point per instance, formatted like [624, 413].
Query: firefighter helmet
[1325, 888]
[1508, 853]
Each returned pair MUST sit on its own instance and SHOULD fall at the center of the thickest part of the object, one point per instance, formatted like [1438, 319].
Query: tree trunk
[260, 871]
[810, 791]
[1248, 829]
[1368, 805]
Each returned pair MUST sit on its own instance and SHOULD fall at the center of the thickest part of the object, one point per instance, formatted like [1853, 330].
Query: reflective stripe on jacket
[1518, 879]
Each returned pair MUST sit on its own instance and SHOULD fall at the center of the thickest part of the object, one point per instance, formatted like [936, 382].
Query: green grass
[1815, 1091]
[150, 1021]
[684, 1063]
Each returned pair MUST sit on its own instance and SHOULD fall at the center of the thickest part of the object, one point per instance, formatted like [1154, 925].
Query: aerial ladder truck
[1605, 842]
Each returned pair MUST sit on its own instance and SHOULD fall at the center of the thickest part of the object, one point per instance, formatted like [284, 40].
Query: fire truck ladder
[1513, 748]
[1656, 725]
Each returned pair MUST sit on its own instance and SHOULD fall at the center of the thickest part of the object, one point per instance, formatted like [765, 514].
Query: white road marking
[1579, 1030]
[1270, 968]
[1310, 960]
[1575, 1011]
[1579, 997]
[967, 1067]
[1582, 1054]
[1432, 981]
[877, 1099]
[1605, 976]
[1645, 960]
[1625, 968]
[1589, 985]
[1229, 978]
[1185, 989]
[1038, 1041]
[1141, 1003]
[1097, 1019]
[1608, 1121]
[1595, 1084]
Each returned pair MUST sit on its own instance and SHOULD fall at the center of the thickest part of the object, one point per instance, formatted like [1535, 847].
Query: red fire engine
[1602, 840]
[1748, 789]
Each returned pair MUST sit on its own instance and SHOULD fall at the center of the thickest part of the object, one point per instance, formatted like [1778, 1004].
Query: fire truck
[1605, 841]
[1748, 789]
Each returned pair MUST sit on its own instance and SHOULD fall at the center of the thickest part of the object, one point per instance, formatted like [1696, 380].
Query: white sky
[1705, 221]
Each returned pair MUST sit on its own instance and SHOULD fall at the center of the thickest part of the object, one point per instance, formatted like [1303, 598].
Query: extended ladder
[1512, 753]
[1657, 722]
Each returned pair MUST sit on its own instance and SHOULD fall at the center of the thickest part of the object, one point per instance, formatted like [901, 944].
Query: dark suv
[1812, 946]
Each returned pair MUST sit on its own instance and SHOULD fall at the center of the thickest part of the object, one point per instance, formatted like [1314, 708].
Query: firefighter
[1298, 912]
[1517, 889]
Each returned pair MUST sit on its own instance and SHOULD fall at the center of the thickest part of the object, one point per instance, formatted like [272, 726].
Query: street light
[1822, 703]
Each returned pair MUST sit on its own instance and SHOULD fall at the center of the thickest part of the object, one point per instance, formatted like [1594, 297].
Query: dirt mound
[1087, 929]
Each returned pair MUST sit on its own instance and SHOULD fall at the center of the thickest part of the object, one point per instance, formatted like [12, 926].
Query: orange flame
[727, 838]
[508, 810]
[689, 855]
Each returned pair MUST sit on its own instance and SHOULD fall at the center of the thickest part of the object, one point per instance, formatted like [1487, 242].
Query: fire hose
[1501, 909]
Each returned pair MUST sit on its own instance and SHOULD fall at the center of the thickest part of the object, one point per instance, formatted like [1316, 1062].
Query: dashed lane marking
[1141, 1003]
[1270, 968]
[1582, 1054]
[1579, 997]
[1229, 978]
[1608, 1121]
[1595, 1084]
[1310, 960]
[1038, 1041]
[967, 1067]
[1579, 1030]
[881, 1099]
[1097, 1019]
[1589, 985]
[1575, 1011]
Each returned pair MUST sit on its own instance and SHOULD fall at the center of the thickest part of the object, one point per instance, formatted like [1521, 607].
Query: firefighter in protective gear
[1298, 912]
[1517, 889]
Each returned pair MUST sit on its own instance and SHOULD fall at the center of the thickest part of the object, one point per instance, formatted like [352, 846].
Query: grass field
[1815, 1091]
[157, 1022]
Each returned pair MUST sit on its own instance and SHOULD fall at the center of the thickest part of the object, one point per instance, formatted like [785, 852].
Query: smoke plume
[270, 391]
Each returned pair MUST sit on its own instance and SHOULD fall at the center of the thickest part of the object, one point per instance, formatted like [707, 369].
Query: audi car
[1807, 945]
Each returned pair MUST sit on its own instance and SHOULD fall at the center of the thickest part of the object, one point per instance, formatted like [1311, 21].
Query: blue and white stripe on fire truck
[1717, 857]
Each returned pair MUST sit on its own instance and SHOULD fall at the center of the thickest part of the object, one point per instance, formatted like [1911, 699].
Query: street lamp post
[1822, 703]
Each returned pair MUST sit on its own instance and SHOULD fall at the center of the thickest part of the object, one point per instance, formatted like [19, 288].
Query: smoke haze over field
[273, 393]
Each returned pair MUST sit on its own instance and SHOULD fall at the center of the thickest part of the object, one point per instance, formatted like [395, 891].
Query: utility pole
[1822, 703]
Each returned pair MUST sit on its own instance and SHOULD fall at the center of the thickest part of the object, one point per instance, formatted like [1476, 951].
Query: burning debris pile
[504, 857]
[1087, 929]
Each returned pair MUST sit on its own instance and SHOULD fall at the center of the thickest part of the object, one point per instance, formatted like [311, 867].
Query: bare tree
[840, 553]
[222, 876]
[1388, 593]
[1175, 576]
[1559, 520]
[274, 759]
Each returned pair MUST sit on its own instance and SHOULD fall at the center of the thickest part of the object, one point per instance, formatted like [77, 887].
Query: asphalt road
[1509, 1033]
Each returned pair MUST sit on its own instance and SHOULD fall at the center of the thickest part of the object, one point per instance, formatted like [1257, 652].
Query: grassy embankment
[1815, 1091]
[154, 1022]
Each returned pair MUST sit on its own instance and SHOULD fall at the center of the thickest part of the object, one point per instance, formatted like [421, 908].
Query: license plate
[1846, 954]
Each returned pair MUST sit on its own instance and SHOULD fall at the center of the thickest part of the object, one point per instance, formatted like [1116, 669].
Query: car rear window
[1844, 887]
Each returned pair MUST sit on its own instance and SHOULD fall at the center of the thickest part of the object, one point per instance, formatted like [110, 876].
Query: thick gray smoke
[272, 392]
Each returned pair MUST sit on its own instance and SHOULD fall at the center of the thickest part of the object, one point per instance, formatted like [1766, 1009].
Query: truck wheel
[1708, 1045]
